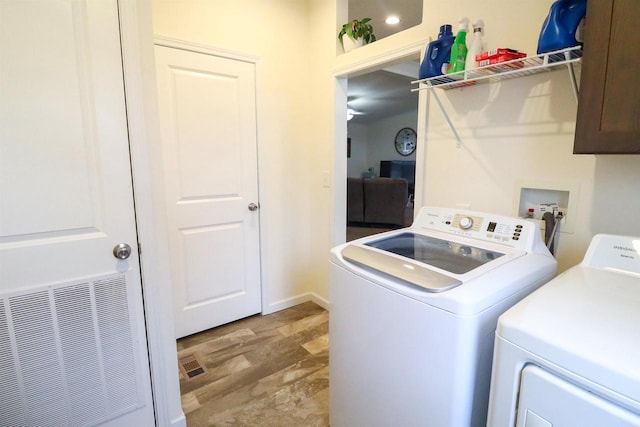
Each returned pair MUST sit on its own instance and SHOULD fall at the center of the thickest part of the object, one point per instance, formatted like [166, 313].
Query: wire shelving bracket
[501, 71]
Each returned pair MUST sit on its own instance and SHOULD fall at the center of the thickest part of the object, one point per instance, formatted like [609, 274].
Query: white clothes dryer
[569, 354]
[413, 314]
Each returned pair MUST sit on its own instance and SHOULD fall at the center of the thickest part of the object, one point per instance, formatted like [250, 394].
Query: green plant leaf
[358, 29]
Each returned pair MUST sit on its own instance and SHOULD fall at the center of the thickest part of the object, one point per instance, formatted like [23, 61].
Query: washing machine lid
[587, 321]
[478, 258]
[432, 263]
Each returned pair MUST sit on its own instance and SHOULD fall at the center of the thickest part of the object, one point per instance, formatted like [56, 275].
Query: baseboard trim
[299, 299]
[322, 302]
[179, 422]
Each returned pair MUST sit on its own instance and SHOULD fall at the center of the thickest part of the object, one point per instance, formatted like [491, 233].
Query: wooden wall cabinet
[608, 120]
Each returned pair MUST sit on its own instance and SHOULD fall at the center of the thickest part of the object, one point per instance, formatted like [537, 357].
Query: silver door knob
[253, 207]
[121, 251]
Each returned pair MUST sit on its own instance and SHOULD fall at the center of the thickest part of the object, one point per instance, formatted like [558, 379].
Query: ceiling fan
[351, 112]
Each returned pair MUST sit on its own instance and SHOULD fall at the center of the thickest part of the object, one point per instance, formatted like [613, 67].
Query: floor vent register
[191, 367]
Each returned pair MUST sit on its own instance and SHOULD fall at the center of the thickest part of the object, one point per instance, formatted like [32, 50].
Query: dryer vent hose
[550, 226]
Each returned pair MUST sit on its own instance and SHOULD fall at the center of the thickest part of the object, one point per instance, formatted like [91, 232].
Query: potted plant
[358, 32]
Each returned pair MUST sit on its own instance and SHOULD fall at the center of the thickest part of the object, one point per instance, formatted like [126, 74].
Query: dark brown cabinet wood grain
[608, 120]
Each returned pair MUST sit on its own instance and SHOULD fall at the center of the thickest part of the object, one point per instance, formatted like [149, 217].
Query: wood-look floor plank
[299, 403]
[256, 323]
[317, 345]
[263, 370]
[304, 324]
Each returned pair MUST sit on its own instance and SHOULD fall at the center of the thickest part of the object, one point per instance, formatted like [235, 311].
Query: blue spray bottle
[436, 58]
[559, 29]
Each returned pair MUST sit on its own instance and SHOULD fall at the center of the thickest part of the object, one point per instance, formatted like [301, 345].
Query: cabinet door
[608, 119]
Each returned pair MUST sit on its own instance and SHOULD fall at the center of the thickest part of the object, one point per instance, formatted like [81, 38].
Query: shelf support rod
[572, 79]
[446, 116]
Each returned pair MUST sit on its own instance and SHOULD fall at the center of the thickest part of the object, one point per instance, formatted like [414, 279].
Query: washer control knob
[466, 223]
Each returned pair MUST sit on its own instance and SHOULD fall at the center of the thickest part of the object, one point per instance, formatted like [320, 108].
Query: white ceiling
[381, 94]
[387, 92]
[409, 12]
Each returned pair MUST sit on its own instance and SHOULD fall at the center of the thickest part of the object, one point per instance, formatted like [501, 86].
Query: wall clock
[405, 141]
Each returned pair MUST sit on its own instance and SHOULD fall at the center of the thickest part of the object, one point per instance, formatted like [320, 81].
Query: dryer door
[547, 400]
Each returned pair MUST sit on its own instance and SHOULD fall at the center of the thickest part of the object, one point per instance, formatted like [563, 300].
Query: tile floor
[260, 371]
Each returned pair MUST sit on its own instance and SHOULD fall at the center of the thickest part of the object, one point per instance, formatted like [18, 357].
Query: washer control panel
[620, 253]
[515, 232]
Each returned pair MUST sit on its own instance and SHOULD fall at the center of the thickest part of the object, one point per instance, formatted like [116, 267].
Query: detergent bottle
[560, 26]
[459, 48]
[436, 58]
[476, 47]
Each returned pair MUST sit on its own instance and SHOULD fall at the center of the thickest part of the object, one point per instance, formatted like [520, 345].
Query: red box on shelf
[500, 52]
[498, 60]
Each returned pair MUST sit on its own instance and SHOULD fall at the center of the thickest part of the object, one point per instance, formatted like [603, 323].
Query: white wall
[523, 130]
[295, 112]
[371, 143]
[382, 136]
[511, 131]
[320, 129]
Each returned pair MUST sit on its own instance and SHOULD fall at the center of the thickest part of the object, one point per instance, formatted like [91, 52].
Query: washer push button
[517, 232]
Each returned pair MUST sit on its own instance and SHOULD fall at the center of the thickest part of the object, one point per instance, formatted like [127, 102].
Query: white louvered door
[72, 334]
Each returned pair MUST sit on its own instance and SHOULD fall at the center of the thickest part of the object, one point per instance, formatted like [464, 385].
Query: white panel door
[72, 333]
[208, 125]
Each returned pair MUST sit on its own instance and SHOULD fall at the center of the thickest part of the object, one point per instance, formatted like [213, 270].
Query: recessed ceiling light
[392, 20]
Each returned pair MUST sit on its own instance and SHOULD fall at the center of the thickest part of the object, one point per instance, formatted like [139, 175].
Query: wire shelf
[503, 70]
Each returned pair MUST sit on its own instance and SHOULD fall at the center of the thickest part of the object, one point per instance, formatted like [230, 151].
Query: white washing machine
[413, 314]
[569, 354]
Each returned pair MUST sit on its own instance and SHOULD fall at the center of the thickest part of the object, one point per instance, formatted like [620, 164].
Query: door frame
[136, 31]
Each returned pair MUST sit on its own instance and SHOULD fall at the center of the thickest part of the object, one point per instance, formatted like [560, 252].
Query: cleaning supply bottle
[560, 26]
[459, 48]
[436, 58]
[476, 47]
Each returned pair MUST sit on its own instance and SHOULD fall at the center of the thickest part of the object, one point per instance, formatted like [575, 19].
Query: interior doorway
[382, 115]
